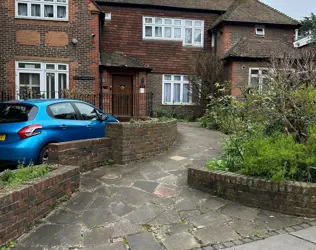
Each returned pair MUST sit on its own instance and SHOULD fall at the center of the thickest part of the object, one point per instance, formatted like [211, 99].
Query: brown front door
[122, 90]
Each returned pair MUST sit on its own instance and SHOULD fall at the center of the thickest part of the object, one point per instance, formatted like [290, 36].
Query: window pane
[186, 93]
[188, 23]
[29, 65]
[149, 31]
[63, 111]
[62, 82]
[158, 31]
[35, 79]
[61, 11]
[264, 72]
[167, 92]
[176, 92]
[48, 11]
[168, 21]
[167, 77]
[148, 20]
[50, 66]
[50, 85]
[158, 20]
[177, 78]
[255, 83]
[255, 71]
[198, 23]
[177, 22]
[177, 32]
[185, 78]
[188, 36]
[87, 112]
[22, 9]
[168, 32]
[62, 67]
[35, 10]
[197, 36]
[29, 86]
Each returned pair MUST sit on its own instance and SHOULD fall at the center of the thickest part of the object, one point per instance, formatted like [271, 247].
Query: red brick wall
[52, 42]
[229, 34]
[124, 33]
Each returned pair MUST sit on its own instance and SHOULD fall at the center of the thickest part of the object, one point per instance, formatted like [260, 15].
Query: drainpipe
[100, 67]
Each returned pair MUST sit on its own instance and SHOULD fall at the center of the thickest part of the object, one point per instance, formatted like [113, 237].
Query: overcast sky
[293, 8]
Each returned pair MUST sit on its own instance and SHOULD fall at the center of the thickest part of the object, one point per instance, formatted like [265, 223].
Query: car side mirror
[104, 117]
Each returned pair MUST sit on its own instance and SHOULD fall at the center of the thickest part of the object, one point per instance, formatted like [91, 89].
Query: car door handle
[63, 126]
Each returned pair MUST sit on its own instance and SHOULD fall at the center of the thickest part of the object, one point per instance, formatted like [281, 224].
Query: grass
[11, 178]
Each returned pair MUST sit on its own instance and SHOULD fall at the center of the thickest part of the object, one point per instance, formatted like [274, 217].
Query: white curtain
[158, 31]
[186, 93]
[188, 35]
[61, 11]
[35, 10]
[176, 92]
[197, 35]
[177, 32]
[167, 92]
[49, 11]
[22, 9]
[168, 32]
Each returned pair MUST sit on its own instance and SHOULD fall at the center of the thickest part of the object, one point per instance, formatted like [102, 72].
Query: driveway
[147, 205]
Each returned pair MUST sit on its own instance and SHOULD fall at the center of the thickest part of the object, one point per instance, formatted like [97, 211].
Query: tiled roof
[254, 11]
[122, 61]
[220, 5]
[258, 48]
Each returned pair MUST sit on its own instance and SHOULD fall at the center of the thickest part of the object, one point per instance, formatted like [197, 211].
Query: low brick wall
[88, 154]
[24, 205]
[293, 198]
[135, 141]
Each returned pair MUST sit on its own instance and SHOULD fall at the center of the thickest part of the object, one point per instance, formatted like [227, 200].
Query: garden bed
[24, 204]
[293, 198]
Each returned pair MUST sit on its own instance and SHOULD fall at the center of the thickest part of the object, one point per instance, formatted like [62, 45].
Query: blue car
[28, 126]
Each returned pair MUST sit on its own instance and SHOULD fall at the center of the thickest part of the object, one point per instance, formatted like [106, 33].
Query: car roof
[43, 102]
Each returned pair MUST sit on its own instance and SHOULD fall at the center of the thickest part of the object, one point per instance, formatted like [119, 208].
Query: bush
[11, 178]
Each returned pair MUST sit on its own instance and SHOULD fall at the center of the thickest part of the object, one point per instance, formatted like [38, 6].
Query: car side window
[63, 111]
[87, 112]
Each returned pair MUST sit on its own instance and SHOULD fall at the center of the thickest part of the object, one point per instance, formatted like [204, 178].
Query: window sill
[179, 104]
[41, 19]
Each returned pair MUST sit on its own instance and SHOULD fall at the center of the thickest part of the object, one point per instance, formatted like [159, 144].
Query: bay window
[176, 90]
[41, 80]
[190, 32]
[42, 9]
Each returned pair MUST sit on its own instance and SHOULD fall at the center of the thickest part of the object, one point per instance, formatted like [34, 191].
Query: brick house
[126, 47]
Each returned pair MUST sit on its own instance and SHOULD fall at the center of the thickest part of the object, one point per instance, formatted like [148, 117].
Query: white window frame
[257, 33]
[173, 26]
[260, 76]
[54, 3]
[172, 82]
[42, 72]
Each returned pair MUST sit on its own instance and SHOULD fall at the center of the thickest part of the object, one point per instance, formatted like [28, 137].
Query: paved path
[148, 206]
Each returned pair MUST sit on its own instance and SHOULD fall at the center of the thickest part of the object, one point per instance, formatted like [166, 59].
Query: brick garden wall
[140, 140]
[88, 154]
[22, 206]
[294, 198]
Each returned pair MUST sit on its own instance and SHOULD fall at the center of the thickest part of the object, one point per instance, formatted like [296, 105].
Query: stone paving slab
[307, 234]
[147, 205]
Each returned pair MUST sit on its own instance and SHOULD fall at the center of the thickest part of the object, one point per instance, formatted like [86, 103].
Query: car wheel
[43, 156]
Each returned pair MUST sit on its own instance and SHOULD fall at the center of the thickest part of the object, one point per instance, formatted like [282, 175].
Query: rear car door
[90, 116]
[65, 121]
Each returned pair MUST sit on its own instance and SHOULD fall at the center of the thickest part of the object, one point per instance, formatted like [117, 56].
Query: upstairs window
[260, 31]
[42, 9]
[190, 32]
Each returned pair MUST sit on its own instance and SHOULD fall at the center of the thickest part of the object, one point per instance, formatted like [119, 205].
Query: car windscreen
[16, 112]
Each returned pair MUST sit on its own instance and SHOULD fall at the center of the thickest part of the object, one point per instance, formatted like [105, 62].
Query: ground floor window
[41, 80]
[257, 78]
[176, 90]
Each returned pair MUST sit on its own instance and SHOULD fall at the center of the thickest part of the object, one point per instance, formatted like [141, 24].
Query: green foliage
[8, 246]
[11, 178]
[176, 112]
[308, 26]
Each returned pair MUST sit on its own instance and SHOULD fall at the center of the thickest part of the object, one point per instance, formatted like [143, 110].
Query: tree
[208, 69]
[308, 27]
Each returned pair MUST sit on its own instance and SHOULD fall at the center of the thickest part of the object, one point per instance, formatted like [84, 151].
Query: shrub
[10, 178]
